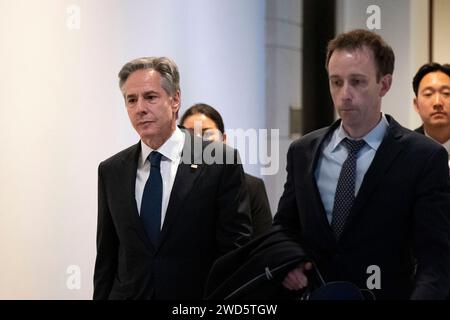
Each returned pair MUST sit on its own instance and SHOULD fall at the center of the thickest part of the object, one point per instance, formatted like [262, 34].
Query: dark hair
[426, 69]
[208, 111]
[170, 77]
[357, 39]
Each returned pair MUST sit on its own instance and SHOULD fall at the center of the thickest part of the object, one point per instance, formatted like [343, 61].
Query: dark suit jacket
[207, 216]
[420, 130]
[255, 270]
[401, 216]
[259, 205]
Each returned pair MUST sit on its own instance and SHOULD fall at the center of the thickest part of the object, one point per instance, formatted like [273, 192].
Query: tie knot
[155, 159]
[353, 146]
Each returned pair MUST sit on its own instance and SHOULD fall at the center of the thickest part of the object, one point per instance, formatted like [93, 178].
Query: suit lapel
[316, 198]
[187, 173]
[384, 157]
[128, 180]
[420, 130]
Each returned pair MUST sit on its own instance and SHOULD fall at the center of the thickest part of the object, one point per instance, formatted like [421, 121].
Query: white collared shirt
[171, 155]
[446, 145]
[333, 155]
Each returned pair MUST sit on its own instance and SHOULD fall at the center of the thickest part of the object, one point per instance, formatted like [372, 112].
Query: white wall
[61, 113]
[441, 31]
[284, 29]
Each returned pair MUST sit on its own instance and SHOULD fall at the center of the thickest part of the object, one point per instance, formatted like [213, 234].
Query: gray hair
[170, 78]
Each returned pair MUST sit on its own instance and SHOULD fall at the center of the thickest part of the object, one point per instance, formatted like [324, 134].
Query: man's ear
[386, 82]
[416, 107]
[176, 99]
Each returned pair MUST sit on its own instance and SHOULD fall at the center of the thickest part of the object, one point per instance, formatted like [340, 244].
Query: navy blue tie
[152, 199]
[345, 190]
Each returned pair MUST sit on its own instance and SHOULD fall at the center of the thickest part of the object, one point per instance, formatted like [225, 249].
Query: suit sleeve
[259, 207]
[233, 205]
[432, 230]
[287, 213]
[107, 245]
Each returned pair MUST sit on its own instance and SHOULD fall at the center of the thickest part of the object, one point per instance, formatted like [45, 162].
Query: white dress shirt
[333, 155]
[446, 145]
[171, 155]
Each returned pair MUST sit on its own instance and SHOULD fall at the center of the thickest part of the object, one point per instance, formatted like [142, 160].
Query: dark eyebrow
[444, 87]
[150, 92]
[358, 75]
[145, 94]
[355, 75]
[427, 88]
[129, 95]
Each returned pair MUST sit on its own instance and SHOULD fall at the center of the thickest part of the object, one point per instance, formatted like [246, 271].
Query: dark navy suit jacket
[400, 220]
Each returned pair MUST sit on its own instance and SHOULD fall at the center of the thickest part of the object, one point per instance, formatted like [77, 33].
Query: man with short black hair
[431, 85]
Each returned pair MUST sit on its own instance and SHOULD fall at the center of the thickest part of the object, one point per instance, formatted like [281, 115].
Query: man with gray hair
[162, 220]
